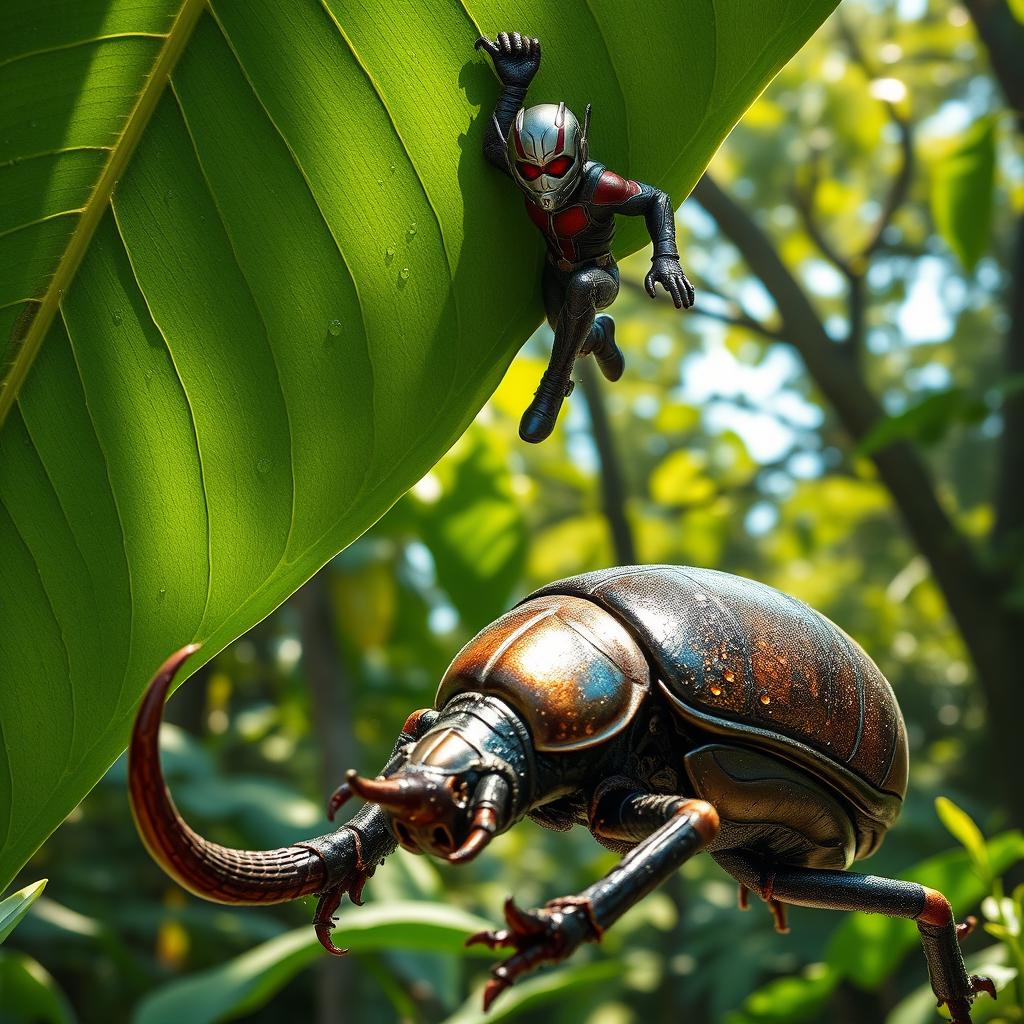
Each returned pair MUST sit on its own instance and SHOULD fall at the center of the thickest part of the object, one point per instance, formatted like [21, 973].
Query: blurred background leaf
[28, 994]
[962, 182]
[232, 989]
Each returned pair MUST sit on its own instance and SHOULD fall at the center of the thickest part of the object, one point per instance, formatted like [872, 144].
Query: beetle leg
[666, 831]
[778, 910]
[845, 890]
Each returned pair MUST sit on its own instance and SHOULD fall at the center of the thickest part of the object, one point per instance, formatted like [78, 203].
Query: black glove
[516, 58]
[665, 270]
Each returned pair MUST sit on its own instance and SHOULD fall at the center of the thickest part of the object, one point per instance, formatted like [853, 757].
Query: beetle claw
[979, 983]
[323, 920]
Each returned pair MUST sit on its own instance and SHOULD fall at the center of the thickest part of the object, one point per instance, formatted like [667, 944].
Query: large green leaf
[541, 990]
[259, 278]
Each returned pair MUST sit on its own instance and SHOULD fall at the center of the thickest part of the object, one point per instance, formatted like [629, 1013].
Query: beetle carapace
[671, 710]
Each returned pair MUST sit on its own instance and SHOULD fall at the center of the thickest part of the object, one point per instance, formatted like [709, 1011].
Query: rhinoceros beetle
[669, 709]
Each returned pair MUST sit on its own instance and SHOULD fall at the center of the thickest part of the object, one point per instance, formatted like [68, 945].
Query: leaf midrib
[120, 154]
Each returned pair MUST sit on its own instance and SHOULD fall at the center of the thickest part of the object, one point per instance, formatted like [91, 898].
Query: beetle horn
[213, 872]
[396, 795]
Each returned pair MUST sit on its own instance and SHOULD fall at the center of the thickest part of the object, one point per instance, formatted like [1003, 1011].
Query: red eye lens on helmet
[558, 167]
[531, 172]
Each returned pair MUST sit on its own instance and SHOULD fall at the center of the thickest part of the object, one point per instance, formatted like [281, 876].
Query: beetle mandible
[669, 709]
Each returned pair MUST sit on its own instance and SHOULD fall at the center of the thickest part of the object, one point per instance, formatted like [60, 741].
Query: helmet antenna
[586, 124]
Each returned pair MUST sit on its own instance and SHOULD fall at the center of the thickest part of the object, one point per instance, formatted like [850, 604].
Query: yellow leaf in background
[680, 480]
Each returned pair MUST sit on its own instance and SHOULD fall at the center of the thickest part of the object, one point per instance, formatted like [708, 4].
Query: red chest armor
[560, 227]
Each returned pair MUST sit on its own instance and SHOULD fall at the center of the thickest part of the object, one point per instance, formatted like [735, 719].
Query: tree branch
[854, 266]
[330, 692]
[740, 319]
[1003, 36]
[612, 479]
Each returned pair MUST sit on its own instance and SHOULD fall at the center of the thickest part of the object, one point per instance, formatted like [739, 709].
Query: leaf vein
[256, 305]
[378, 92]
[113, 498]
[40, 220]
[75, 43]
[192, 418]
[60, 630]
[120, 154]
[371, 384]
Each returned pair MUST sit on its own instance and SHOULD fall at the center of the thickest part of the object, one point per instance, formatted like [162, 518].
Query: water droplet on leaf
[412, 230]
[263, 465]
[334, 328]
[392, 168]
[116, 315]
[404, 273]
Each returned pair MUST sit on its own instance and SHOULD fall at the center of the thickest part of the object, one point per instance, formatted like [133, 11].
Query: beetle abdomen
[741, 659]
[568, 667]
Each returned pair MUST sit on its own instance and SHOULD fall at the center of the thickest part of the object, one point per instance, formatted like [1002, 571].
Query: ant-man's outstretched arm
[616, 194]
[516, 60]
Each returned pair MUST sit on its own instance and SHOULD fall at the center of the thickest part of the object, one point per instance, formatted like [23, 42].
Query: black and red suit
[573, 201]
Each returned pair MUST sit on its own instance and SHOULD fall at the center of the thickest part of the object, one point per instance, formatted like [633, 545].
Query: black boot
[539, 419]
[608, 355]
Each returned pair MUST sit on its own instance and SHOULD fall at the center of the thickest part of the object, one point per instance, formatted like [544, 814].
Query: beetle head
[463, 782]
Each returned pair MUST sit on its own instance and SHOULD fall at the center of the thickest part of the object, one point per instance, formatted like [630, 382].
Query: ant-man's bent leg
[583, 293]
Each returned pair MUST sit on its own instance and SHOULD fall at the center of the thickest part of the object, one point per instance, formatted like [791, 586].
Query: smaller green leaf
[475, 529]
[680, 479]
[17, 905]
[963, 829]
[535, 992]
[1017, 9]
[29, 993]
[927, 422]
[247, 982]
[789, 1000]
[963, 180]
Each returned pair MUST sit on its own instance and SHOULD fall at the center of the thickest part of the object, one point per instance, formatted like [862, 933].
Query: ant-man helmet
[546, 151]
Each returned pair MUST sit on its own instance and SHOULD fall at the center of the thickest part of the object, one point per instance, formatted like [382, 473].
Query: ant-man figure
[573, 200]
